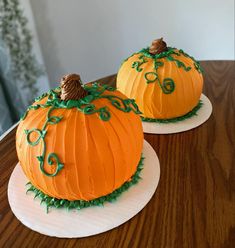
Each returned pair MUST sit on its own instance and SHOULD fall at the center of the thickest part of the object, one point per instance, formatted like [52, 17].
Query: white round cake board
[202, 116]
[88, 221]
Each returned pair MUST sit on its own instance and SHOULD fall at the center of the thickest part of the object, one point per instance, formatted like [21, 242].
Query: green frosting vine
[137, 64]
[196, 63]
[85, 105]
[176, 119]
[168, 85]
[41, 136]
[80, 204]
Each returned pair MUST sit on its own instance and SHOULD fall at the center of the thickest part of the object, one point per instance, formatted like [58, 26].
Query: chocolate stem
[158, 46]
[71, 88]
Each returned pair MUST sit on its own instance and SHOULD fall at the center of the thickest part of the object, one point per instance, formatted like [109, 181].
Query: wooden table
[194, 205]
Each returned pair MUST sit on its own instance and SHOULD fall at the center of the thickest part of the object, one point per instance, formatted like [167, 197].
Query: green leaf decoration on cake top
[85, 105]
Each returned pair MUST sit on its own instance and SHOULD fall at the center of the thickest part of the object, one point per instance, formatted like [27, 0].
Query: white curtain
[5, 115]
[14, 98]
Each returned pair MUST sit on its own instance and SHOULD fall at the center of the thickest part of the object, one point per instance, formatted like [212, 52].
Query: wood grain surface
[194, 205]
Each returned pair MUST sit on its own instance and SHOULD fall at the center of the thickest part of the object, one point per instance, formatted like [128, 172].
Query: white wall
[92, 37]
[42, 82]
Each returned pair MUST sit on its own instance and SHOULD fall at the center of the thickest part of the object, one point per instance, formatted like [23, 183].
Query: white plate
[89, 221]
[202, 116]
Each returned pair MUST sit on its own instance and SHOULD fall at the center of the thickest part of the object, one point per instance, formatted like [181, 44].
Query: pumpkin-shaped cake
[165, 82]
[80, 143]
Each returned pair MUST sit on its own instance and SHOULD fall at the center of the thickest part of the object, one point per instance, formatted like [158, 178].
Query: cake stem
[158, 46]
[71, 88]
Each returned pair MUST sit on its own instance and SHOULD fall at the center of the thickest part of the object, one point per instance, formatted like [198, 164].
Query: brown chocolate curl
[71, 88]
[158, 46]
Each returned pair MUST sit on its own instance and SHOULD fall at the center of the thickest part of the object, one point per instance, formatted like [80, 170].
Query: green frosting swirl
[41, 133]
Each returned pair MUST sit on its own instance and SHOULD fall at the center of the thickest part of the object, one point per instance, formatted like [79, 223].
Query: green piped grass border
[176, 119]
[80, 204]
